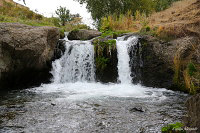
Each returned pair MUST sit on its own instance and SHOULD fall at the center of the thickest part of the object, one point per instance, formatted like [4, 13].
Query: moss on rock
[105, 59]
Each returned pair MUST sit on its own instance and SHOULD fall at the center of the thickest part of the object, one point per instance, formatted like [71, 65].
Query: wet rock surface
[155, 71]
[60, 49]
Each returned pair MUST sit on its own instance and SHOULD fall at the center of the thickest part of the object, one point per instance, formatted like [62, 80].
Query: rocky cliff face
[25, 54]
[168, 64]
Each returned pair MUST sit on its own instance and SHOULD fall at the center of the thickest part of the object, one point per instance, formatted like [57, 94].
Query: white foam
[81, 90]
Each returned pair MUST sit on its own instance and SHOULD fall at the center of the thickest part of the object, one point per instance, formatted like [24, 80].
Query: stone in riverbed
[137, 109]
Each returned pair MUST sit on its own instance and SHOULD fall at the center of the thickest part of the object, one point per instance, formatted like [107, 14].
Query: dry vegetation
[187, 65]
[182, 19]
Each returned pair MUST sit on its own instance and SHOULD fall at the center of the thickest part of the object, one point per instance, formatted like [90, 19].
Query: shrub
[173, 128]
[29, 15]
[39, 17]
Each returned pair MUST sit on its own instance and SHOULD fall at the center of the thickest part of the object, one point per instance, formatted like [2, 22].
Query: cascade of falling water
[77, 63]
[124, 69]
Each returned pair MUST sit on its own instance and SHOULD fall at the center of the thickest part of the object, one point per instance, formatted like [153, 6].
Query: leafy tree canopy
[65, 16]
[103, 8]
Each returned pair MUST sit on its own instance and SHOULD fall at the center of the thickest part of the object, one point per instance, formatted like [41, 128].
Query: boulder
[163, 63]
[25, 54]
[192, 118]
[83, 34]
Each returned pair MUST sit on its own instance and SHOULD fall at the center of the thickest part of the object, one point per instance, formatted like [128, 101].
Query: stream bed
[83, 107]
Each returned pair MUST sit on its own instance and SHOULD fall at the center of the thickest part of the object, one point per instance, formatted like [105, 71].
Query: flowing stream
[75, 103]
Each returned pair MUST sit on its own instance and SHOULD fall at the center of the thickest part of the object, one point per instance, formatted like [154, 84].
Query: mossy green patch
[113, 34]
[101, 63]
[173, 128]
[191, 69]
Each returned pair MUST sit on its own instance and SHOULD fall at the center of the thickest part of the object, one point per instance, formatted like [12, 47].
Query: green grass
[191, 69]
[173, 128]
[101, 63]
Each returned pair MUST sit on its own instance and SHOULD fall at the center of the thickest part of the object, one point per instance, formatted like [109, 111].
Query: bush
[29, 15]
[38, 17]
[173, 128]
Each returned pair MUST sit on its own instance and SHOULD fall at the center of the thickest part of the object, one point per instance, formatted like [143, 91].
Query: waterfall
[124, 67]
[77, 63]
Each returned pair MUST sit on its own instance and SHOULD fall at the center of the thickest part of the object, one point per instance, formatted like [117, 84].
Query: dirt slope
[181, 19]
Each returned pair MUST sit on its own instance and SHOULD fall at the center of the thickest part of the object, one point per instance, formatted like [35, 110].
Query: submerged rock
[83, 34]
[137, 109]
[25, 54]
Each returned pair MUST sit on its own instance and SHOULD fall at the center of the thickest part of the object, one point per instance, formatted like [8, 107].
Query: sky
[48, 7]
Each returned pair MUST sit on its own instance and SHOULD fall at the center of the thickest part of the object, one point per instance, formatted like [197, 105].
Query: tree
[163, 4]
[66, 17]
[63, 14]
[103, 8]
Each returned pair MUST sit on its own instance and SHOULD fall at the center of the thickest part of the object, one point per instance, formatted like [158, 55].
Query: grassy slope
[13, 12]
[181, 19]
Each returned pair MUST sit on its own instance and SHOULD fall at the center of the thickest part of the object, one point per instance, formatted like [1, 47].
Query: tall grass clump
[124, 22]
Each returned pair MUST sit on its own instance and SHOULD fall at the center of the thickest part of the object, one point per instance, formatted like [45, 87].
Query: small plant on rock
[174, 128]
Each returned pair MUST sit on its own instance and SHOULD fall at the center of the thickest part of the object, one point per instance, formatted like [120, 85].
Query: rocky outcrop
[60, 49]
[25, 54]
[165, 63]
[83, 34]
[192, 118]
[105, 59]
[156, 69]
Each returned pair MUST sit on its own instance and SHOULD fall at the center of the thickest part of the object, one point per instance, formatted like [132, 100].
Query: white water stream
[124, 69]
[77, 63]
